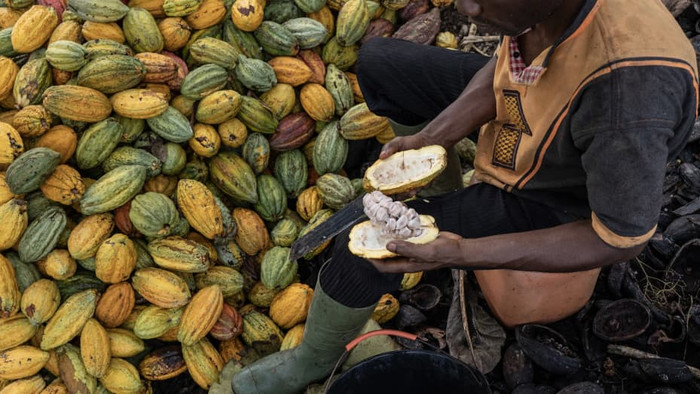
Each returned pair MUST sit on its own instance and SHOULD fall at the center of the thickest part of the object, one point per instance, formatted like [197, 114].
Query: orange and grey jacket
[590, 125]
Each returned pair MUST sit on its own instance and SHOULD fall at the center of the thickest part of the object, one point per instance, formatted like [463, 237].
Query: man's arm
[566, 248]
[474, 107]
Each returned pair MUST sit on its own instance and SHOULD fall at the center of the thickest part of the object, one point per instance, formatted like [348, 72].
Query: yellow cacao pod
[56, 387]
[139, 103]
[153, 321]
[159, 68]
[290, 70]
[121, 378]
[8, 17]
[9, 290]
[32, 121]
[78, 103]
[115, 305]
[40, 301]
[124, 343]
[203, 362]
[247, 15]
[8, 73]
[115, 259]
[33, 385]
[293, 337]
[262, 296]
[176, 33]
[69, 319]
[58, 264]
[219, 107]
[13, 222]
[251, 234]
[233, 133]
[64, 186]
[160, 287]
[210, 13]
[291, 306]
[11, 145]
[309, 202]
[22, 362]
[206, 141]
[61, 139]
[67, 31]
[163, 184]
[89, 234]
[410, 280]
[180, 254]
[33, 28]
[198, 206]
[317, 102]
[94, 348]
[15, 331]
[103, 30]
[155, 7]
[355, 84]
[281, 100]
[200, 315]
[386, 309]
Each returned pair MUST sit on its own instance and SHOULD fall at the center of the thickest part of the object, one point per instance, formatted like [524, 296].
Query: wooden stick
[630, 352]
[465, 321]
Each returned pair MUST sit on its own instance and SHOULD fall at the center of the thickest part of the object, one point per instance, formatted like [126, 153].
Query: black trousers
[412, 83]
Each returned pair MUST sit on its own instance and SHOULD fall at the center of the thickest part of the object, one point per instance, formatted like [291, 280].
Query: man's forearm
[565, 248]
[472, 109]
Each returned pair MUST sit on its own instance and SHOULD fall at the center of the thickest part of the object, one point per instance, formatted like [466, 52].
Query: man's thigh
[482, 210]
[412, 83]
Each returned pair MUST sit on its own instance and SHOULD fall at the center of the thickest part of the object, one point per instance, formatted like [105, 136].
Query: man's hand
[445, 251]
[399, 144]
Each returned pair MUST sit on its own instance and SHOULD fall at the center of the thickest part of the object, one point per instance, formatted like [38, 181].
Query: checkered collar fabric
[520, 73]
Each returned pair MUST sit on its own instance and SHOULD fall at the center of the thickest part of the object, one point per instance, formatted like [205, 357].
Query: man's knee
[372, 53]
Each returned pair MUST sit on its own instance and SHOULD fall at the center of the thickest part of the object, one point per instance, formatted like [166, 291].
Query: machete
[347, 216]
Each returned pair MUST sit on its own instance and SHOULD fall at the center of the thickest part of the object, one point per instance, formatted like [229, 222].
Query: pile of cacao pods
[150, 148]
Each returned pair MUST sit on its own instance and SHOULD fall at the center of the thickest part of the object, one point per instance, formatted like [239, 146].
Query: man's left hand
[445, 251]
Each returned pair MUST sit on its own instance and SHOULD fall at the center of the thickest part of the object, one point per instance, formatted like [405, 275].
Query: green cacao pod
[41, 236]
[233, 176]
[78, 283]
[180, 7]
[105, 47]
[256, 116]
[284, 233]
[260, 332]
[31, 82]
[277, 271]
[272, 198]
[209, 50]
[171, 125]
[112, 73]
[66, 55]
[153, 214]
[310, 6]
[308, 32]
[31, 169]
[360, 123]
[291, 169]
[180, 254]
[256, 152]
[132, 128]
[318, 218]
[341, 56]
[174, 159]
[228, 279]
[141, 31]
[330, 150]
[353, 20]
[99, 10]
[25, 273]
[338, 85]
[336, 190]
[280, 11]
[244, 42]
[218, 107]
[98, 142]
[203, 81]
[276, 39]
[113, 189]
[126, 155]
[255, 74]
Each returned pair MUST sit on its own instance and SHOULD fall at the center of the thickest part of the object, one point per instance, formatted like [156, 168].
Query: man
[582, 107]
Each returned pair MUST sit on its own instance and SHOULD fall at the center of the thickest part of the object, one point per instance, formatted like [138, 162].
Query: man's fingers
[403, 248]
[389, 149]
[395, 266]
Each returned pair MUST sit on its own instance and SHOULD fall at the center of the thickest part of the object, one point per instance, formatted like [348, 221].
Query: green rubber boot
[450, 179]
[329, 327]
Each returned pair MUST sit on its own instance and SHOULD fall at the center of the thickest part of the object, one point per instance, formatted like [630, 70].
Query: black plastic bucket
[411, 372]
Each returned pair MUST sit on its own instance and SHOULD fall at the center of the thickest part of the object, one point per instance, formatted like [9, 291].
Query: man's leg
[411, 84]
[349, 287]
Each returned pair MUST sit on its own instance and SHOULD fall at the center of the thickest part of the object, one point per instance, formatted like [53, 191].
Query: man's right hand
[399, 144]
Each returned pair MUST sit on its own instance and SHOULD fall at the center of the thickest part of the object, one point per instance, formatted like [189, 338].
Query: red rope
[370, 334]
